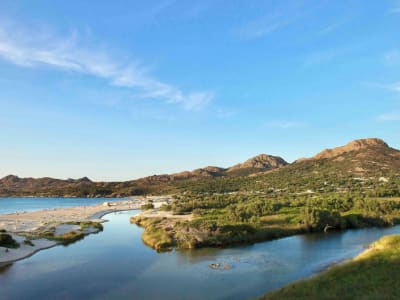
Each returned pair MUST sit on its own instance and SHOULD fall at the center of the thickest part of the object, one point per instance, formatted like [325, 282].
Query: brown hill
[257, 164]
[361, 156]
[15, 186]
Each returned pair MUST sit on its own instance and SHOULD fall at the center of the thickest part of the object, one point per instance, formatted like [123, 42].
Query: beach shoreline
[20, 224]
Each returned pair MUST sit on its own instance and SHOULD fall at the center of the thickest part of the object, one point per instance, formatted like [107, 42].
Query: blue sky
[117, 90]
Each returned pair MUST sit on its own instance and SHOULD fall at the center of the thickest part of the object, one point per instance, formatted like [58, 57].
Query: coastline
[20, 224]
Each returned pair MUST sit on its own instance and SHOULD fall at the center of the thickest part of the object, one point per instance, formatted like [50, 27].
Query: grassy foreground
[374, 274]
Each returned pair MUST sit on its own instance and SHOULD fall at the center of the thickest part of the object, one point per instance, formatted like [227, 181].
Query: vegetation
[226, 219]
[372, 275]
[89, 224]
[354, 186]
[66, 238]
[154, 234]
[29, 242]
[148, 205]
[7, 241]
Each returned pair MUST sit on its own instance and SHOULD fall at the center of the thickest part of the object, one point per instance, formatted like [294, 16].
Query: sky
[117, 90]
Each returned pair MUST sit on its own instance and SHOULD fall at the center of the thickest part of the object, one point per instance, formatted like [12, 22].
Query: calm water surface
[11, 205]
[115, 264]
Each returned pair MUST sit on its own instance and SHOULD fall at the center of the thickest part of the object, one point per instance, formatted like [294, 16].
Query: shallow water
[11, 205]
[115, 264]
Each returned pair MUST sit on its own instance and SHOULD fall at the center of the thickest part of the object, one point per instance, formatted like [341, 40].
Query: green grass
[374, 274]
[68, 237]
[154, 234]
[90, 224]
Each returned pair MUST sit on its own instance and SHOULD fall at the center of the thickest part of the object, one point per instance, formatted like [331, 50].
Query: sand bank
[20, 223]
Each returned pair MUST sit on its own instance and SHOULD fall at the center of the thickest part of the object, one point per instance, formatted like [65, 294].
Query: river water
[115, 264]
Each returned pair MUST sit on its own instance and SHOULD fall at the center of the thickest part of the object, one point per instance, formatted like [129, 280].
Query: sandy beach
[19, 223]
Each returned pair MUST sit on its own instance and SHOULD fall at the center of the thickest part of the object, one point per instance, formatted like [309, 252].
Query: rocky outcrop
[263, 161]
[355, 145]
[373, 144]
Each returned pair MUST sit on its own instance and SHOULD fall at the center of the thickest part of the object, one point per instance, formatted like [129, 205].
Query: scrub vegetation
[7, 241]
[372, 275]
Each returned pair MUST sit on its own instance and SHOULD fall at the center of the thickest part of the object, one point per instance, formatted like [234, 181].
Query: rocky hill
[364, 158]
[360, 157]
[15, 186]
[262, 162]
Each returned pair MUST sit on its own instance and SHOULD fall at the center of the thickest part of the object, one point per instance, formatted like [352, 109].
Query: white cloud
[66, 54]
[387, 117]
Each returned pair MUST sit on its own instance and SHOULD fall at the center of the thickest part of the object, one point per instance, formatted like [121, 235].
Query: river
[115, 264]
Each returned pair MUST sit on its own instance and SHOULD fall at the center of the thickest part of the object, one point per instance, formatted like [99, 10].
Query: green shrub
[147, 206]
[7, 241]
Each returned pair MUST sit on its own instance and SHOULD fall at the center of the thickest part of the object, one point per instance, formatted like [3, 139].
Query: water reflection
[116, 265]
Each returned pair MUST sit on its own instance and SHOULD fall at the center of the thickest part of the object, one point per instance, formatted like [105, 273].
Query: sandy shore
[25, 222]
[19, 223]
[30, 221]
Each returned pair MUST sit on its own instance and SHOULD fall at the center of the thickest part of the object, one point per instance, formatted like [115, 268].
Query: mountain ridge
[358, 157]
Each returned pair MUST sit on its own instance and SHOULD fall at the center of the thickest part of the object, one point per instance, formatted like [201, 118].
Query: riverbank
[165, 230]
[39, 230]
[374, 274]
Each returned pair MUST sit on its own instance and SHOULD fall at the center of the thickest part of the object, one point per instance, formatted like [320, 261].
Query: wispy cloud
[395, 7]
[392, 57]
[38, 49]
[331, 28]
[388, 117]
[393, 87]
[285, 124]
[224, 113]
[262, 27]
[394, 10]
[277, 18]
[327, 55]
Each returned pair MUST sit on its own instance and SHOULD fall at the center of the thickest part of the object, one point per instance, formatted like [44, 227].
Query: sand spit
[20, 223]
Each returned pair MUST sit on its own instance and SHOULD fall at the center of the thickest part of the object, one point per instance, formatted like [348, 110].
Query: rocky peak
[84, 179]
[10, 179]
[262, 161]
[355, 145]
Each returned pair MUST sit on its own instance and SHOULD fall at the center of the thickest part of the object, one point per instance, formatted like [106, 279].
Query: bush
[7, 241]
[29, 243]
[147, 206]
[317, 219]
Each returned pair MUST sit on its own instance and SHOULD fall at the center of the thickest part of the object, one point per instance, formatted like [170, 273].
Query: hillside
[357, 157]
[352, 186]
[355, 163]
[361, 163]
[15, 186]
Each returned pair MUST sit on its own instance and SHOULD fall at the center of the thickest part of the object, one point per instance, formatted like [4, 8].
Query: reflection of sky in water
[116, 264]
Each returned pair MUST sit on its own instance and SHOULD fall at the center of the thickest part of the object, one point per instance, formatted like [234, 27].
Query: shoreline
[352, 274]
[21, 223]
